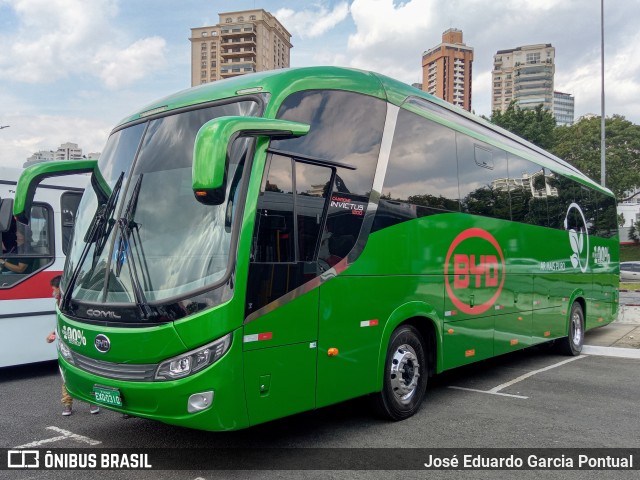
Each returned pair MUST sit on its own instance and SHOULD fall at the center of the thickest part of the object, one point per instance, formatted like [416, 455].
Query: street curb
[611, 351]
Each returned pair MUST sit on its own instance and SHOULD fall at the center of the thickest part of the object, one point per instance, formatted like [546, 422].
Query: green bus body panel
[34, 174]
[138, 345]
[357, 316]
[280, 359]
[196, 330]
[293, 322]
[467, 341]
[279, 381]
[167, 401]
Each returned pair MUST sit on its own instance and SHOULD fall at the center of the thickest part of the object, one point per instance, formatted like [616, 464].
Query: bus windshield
[154, 243]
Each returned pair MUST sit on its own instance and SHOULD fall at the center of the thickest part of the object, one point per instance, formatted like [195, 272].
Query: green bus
[278, 242]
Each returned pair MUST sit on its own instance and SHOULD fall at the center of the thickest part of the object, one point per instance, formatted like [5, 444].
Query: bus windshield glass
[154, 242]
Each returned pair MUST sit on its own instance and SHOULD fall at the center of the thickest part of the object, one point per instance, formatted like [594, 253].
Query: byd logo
[475, 266]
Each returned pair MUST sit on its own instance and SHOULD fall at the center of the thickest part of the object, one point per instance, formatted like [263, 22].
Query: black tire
[572, 344]
[403, 391]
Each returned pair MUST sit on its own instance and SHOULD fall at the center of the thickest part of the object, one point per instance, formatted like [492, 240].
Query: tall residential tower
[524, 74]
[243, 42]
[446, 70]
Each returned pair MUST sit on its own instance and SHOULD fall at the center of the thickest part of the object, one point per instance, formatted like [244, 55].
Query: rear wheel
[405, 375]
[572, 343]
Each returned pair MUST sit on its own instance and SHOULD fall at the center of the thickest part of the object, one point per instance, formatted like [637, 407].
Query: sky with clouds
[71, 69]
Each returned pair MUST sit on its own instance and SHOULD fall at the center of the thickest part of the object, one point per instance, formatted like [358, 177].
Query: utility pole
[602, 142]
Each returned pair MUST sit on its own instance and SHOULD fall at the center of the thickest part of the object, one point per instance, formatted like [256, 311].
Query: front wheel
[405, 375]
[572, 344]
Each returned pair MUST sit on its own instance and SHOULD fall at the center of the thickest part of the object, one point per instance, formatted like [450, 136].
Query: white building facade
[524, 75]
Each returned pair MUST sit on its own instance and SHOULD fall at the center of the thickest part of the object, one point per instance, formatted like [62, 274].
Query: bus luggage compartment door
[280, 358]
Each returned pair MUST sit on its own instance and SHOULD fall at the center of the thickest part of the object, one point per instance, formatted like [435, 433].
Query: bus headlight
[193, 361]
[65, 351]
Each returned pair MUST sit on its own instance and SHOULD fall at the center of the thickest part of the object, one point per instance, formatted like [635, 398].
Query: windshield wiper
[98, 231]
[126, 226]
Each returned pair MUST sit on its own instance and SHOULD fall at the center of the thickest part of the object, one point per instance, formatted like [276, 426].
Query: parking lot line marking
[612, 351]
[66, 434]
[534, 372]
[489, 392]
[496, 390]
[41, 442]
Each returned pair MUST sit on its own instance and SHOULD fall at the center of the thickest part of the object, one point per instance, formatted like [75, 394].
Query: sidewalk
[623, 333]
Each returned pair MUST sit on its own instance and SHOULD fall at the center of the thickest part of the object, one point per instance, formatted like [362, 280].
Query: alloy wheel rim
[577, 328]
[404, 373]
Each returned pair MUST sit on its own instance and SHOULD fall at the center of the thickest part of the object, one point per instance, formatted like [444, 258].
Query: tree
[579, 144]
[621, 220]
[633, 232]
[536, 125]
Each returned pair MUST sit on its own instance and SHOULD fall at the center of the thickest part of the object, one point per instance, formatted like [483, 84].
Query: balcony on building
[237, 30]
[236, 52]
[235, 69]
[241, 41]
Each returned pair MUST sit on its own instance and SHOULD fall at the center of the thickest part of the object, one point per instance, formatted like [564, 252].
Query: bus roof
[283, 82]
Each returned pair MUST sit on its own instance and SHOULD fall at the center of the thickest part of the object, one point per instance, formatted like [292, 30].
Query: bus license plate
[107, 395]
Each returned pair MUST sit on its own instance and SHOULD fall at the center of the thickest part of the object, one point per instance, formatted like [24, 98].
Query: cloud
[31, 133]
[389, 38]
[122, 67]
[312, 23]
[57, 39]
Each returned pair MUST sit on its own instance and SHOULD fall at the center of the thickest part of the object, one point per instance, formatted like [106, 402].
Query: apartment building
[524, 74]
[68, 151]
[563, 108]
[242, 42]
[447, 69]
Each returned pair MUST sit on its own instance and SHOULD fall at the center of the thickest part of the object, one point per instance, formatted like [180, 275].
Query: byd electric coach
[274, 243]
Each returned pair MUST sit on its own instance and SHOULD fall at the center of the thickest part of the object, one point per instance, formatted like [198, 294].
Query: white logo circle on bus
[577, 239]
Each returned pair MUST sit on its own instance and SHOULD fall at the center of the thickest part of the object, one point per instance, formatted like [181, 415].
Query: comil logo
[474, 269]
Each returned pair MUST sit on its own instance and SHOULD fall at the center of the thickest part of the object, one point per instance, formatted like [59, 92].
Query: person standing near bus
[67, 401]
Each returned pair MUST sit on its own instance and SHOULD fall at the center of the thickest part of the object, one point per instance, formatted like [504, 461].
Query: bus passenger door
[281, 324]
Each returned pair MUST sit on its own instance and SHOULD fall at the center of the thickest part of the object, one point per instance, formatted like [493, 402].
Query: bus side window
[69, 202]
[273, 239]
[422, 176]
[27, 248]
[527, 188]
[484, 179]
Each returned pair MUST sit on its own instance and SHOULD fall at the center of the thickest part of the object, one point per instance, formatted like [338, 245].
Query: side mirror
[33, 175]
[6, 208]
[212, 146]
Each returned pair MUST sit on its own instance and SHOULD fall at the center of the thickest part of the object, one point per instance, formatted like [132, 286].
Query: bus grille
[118, 371]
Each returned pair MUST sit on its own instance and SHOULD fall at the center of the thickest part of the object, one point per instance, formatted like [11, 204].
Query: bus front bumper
[173, 401]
